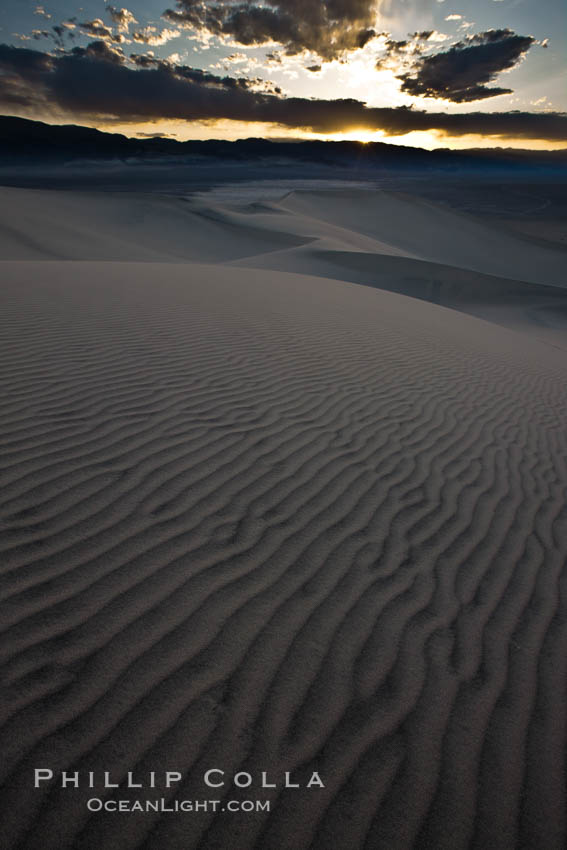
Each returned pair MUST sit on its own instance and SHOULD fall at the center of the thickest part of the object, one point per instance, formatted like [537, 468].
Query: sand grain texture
[266, 520]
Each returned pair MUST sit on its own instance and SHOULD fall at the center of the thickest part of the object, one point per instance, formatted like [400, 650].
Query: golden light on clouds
[431, 140]
[232, 130]
[312, 74]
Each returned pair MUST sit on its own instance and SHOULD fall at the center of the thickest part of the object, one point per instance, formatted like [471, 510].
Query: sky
[429, 73]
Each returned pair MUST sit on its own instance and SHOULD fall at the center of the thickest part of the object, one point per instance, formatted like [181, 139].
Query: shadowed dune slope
[42, 224]
[266, 521]
[50, 225]
[391, 241]
[532, 308]
[432, 232]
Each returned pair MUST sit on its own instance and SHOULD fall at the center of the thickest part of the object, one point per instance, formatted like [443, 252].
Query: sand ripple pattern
[262, 521]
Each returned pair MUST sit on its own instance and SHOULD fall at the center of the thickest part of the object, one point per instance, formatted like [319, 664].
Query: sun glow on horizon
[406, 74]
[430, 140]
[233, 130]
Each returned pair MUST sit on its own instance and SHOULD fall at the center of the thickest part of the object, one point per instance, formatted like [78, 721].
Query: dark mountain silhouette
[22, 139]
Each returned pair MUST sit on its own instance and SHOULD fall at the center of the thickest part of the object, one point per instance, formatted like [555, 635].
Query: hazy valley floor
[257, 517]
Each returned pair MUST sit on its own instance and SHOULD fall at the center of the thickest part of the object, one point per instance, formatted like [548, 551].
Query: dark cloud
[154, 135]
[144, 60]
[461, 73]
[396, 53]
[97, 29]
[402, 54]
[326, 27]
[199, 77]
[98, 82]
[101, 51]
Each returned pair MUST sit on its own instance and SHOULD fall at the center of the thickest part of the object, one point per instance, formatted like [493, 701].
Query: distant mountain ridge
[22, 138]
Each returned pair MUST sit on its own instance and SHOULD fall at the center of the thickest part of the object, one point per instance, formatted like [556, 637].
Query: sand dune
[428, 231]
[382, 239]
[536, 309]
[39, 224]
[264, 520]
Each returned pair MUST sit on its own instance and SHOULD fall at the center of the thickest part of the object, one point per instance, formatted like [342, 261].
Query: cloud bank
[97, 82]
[328, 28]
[461, 73]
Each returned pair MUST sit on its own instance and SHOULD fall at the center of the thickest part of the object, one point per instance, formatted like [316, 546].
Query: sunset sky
[418, 72]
